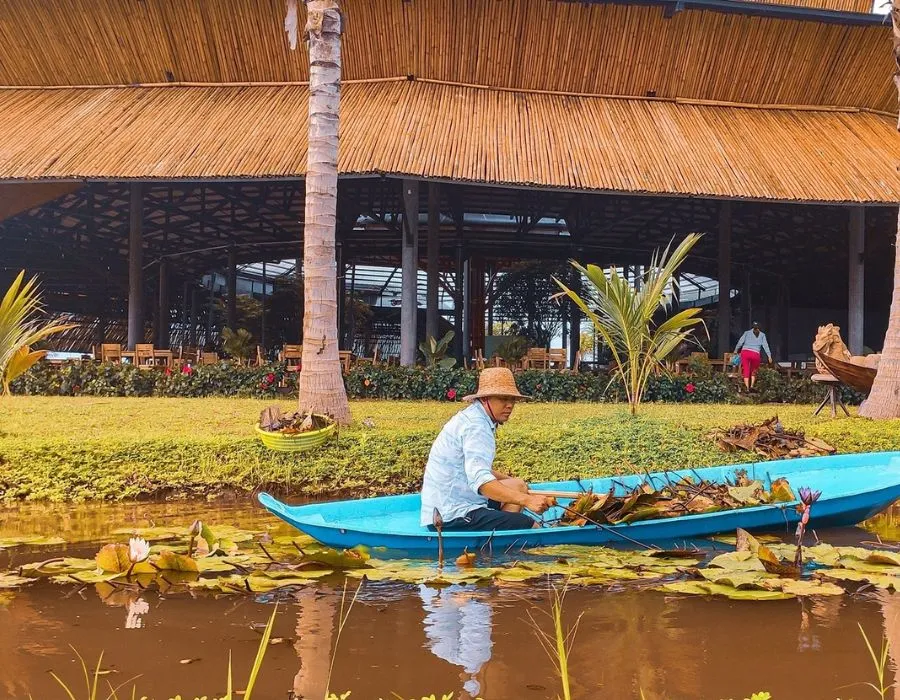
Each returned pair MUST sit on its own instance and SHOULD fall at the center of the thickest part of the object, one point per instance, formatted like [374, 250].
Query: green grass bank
[80, 448]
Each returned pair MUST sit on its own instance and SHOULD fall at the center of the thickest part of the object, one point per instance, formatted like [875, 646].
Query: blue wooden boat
[854, 487]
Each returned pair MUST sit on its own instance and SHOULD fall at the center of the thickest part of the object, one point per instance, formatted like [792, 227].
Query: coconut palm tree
[884, 399]
[321, 384]
[20, 328]
[624, 316]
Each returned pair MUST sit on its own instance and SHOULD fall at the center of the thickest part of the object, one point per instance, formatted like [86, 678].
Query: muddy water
[414, 640]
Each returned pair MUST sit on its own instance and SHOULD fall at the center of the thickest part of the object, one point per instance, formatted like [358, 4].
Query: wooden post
[341, 289]
[210, 311]
[162, 314]
[574, 318]
[724, 312]
[467, 310]
[459, 301]
[262, 320]
[433, 260]
[135, 267]
[856, 311]
[351, 312]
[410, 272]
[195, 313]
[232, 289]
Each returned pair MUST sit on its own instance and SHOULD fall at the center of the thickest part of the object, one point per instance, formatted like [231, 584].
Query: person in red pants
[751, 345]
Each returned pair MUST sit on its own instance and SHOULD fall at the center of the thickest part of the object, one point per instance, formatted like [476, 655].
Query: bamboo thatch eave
[624, 49]
[430, 130]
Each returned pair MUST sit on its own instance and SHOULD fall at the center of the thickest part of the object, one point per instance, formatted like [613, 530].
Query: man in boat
[461, 483]
[751, 345]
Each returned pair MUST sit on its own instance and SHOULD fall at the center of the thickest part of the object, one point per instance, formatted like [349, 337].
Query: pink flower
[168, 371]
[451, 394]
[690, 388]
[187, 369]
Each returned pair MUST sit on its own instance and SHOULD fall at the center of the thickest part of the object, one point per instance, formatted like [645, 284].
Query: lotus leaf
[55, 567]
[823, 554]
[333, 559]
[878, 580]
[732, 539]
[212, 565]
[774, 565]
[738, 579]
[154, 533]
[8, 580]
[255, 583]
[170, 561]
[737, 561]
[31, 541]
[805, 587]
[867, 567]
[113, 558]
[706, 588]
[92, 576]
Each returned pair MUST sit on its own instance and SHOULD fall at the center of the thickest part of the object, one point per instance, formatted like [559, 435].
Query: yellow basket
[299, 442]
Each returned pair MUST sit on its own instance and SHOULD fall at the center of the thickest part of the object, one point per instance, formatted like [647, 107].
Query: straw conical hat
[496, 381]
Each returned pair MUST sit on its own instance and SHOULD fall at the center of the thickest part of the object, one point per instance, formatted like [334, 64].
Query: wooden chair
[729, 369]
[537, 358]
[556, 358]
[292, 356]
[209, 358]
[143, 355]
[346, 358]
[111, 352]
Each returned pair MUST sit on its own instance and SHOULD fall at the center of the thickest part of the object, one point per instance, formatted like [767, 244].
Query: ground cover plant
[112, 448]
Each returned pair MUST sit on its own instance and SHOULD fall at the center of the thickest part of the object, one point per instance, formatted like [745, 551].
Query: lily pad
[807, 587]
[737, 561]
[170, 561]
[8, 580]
[884, 581]
[707, 588]
[737, 579]
[113, 558]
[55, 567]
[31, 541]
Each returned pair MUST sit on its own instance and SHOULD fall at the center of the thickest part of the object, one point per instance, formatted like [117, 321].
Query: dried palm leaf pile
[769, 439]
[686, 496]
[273, 420]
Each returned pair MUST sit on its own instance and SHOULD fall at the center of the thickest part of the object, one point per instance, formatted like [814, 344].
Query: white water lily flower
[138, 549]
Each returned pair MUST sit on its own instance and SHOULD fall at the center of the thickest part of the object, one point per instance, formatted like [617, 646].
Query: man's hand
[537, 504]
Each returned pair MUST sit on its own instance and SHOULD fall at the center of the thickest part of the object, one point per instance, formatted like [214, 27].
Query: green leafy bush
[391, 382]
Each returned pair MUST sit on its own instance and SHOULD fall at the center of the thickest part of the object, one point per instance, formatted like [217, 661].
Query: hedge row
[387, 382]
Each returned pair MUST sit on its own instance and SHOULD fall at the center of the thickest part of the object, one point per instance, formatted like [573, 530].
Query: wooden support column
[433, 260]
[262, 320]
[467, 310]
[478, 297]
[135, 267]
[163, 318]
[410, 271]
[351, 312]
[856, 311]
[341, 290]
[724, 311]
[232, 289]
[574, 317]
[459, 301]
[195, 313]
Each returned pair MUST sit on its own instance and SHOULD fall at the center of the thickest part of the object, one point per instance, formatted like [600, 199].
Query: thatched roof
[455, 133]
[627, 49]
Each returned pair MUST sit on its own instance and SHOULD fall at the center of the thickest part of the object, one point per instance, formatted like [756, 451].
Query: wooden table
[166, 355]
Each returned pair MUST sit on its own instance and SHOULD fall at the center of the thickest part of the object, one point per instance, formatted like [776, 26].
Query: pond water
[414, 640]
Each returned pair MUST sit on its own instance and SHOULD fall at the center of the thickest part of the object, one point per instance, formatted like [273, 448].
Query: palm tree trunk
[321, 384]
[884, 399]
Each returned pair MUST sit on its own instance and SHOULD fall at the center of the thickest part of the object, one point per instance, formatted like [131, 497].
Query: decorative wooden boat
[853, 375]
[854, 487]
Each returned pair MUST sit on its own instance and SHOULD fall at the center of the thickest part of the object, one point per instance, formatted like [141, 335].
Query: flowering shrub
[390, 382]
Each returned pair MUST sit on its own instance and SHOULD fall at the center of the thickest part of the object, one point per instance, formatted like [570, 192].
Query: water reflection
[316, 620]
[458, 629]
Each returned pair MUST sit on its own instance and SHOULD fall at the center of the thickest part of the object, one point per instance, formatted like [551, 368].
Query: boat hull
[854, 487]
[853, 375]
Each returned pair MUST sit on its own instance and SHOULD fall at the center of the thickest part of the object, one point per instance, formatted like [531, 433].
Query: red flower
[451, 394]
[270, 378]
[187, 369]
[690, 388]
[168, 371]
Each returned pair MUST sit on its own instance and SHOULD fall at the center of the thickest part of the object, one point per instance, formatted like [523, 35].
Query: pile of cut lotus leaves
[226, 560]
[684, 496]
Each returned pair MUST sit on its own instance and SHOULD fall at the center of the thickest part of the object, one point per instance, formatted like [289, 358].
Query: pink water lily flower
[138, 549]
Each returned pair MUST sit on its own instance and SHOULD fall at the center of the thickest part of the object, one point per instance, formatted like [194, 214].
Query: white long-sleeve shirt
[751, 341]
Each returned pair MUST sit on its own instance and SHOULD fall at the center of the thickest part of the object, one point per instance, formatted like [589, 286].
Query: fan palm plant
[624, 316]
[20, 328]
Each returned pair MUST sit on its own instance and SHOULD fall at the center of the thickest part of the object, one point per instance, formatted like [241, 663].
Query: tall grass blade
[260, 654]
[64, 686]
[342, 620]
